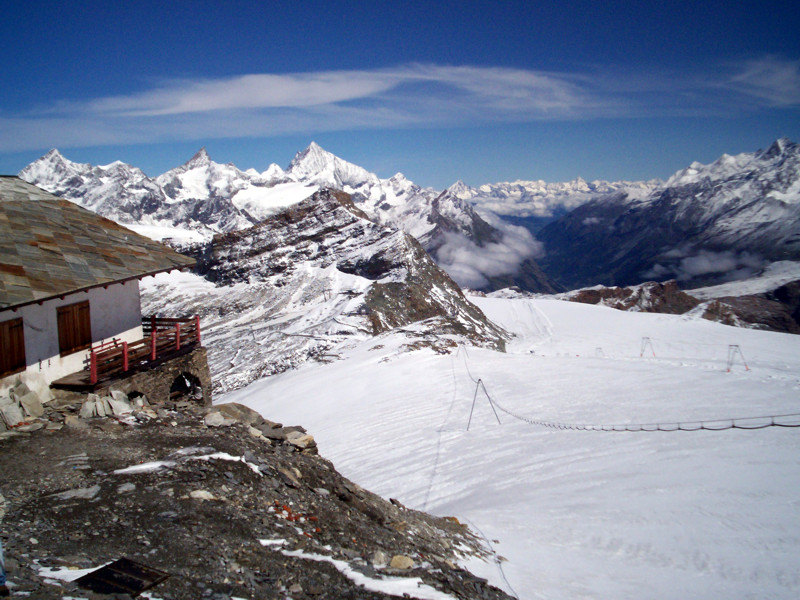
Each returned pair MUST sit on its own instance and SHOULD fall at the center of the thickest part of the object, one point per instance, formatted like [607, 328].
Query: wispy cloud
[249, 91]
[770, 79]
[417, 95]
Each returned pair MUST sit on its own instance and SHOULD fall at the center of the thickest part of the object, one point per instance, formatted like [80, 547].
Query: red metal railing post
[177, 336]
[92, 368]
[124, 356]
[197, 328]
[153, 344]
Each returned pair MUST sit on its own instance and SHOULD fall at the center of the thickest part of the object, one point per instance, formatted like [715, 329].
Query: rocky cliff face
[309, 279]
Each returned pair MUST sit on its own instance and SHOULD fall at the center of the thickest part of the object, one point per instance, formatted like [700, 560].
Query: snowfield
[577, 514]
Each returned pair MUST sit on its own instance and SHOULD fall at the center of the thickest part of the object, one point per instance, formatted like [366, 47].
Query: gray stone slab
[12, 414]
[30, 402]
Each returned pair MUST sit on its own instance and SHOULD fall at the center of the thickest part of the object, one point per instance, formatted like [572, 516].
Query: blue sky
[479, 91]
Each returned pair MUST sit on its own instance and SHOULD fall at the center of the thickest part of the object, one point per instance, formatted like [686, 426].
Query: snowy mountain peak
[200, 158]
[399, 178]
[52, 168]
[53, 156]
[727, 166]
[318, 166]
[461, 189]
[273, 172]
[778, 148]
[313, 159]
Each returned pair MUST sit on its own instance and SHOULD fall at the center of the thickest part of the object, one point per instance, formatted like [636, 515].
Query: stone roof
[51, 247]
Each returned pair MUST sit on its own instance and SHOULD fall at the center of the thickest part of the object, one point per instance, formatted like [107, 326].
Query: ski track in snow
[577, 514]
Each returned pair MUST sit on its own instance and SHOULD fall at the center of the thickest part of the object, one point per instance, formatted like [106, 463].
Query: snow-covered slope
[772, 277]
[707, 224]
[578, 514]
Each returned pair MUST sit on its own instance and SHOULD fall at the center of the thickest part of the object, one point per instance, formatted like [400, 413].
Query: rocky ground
[226, 503]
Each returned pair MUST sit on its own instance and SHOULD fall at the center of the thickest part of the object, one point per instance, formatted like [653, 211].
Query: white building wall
[115, 312]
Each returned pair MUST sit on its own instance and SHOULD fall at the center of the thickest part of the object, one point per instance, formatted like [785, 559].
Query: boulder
[99, 408]
[140, 401]
[300, 440]
[31, 427]
[279, 433]
[246, 415]
[239, 412]
[402, 562]
[379, 559]
[118, 395]
[73, 422]
[20, 390]
[202, 495]
[217, 419]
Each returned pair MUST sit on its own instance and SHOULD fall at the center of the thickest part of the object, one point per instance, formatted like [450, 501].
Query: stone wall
[155, 383]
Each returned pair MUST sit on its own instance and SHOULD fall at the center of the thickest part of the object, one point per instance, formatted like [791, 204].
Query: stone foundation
[156, 383]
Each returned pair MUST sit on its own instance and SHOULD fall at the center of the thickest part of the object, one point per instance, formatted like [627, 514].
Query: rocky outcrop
[778, 310]
[329, 230]
[652, 297]
[225, 513]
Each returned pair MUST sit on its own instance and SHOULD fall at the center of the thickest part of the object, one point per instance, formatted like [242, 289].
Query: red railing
[163, 337]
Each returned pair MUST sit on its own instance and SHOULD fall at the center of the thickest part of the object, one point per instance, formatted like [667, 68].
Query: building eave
[64, 294]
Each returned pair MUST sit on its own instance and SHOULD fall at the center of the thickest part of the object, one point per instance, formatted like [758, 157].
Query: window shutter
[74, 327]
[12, 347]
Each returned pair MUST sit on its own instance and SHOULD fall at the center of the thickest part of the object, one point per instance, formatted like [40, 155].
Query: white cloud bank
[727, 265]
[417, 95]
[470, 265]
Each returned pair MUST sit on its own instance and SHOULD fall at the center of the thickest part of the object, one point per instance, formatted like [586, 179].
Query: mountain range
[704, 225]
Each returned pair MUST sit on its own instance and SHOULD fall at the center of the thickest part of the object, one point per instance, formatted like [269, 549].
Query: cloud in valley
[470, 265]
[726, 266]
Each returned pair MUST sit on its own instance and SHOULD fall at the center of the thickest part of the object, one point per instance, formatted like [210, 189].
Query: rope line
[791, 420]
[498, 563]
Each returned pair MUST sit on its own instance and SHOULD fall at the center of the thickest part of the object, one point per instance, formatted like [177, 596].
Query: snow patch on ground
[262, 202]
[396, 586]
[773, 276]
